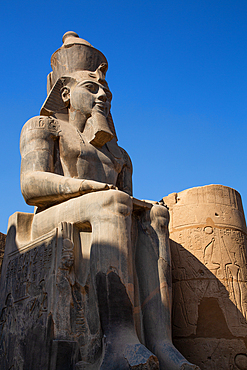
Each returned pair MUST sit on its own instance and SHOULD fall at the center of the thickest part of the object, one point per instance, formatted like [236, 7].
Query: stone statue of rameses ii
[74, 172]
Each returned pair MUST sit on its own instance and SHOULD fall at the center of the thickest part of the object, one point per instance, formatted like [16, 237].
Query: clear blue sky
[178, 74]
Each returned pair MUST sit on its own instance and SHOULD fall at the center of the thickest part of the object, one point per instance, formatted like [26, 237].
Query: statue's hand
[88, 186]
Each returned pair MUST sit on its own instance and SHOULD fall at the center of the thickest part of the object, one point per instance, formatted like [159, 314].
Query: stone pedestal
[208, 247]
[44, 318]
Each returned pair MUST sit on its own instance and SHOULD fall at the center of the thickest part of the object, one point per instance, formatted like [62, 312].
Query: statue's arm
[39, 185]
[124, 180]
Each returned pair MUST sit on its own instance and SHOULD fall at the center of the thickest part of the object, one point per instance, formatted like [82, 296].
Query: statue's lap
[90, 208]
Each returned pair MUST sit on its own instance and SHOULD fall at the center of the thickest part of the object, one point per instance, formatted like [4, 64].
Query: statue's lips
[101, 107]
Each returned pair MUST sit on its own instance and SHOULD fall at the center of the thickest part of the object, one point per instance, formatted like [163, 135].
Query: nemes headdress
[74, 55]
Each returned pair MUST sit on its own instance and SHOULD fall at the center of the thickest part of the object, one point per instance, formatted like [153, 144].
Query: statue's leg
[112, 272]
[111, 268]
[153, 265]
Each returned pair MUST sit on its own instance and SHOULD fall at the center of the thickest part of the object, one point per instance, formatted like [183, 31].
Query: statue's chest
[81, 159]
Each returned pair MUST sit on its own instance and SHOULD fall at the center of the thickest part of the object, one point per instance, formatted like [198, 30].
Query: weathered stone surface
[208, 247]
[97, 294]
[2, 247]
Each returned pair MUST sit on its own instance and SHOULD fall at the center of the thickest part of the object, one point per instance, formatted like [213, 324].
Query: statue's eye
[91, 87]
[109, 95]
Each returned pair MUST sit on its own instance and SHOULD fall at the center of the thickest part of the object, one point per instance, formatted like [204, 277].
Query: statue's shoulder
[40, 125]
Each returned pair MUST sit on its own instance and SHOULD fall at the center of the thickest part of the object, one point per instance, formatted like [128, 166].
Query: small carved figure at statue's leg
[64, 281]
[112, 272]
[153, 265]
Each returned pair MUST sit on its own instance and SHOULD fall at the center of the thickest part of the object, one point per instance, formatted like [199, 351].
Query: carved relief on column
[208, 246]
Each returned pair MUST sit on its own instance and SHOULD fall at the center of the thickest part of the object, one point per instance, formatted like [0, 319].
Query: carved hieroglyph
[208, 247]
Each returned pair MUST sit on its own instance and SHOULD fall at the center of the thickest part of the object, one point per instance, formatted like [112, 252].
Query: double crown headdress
[74, 55]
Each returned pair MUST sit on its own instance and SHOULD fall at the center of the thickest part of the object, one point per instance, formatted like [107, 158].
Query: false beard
[97, 131]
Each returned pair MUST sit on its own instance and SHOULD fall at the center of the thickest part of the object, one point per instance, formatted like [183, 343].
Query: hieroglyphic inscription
[28, 269]
[46, 123]
[209, 262]
[29, 285]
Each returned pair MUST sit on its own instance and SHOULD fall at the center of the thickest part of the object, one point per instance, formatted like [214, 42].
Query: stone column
[208, 239]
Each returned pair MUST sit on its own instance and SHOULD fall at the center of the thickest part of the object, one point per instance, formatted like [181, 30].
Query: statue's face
[90, 95]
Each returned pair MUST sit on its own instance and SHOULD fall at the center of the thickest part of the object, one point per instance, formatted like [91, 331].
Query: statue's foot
[121, 356]
[122, 349]
[171, 359]
[139, 357]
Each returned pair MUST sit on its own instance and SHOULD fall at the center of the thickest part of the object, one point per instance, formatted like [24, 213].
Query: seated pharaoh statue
[113, 288]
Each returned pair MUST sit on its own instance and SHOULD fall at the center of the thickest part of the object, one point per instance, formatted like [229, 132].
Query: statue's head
[87, 92]
[77, 81]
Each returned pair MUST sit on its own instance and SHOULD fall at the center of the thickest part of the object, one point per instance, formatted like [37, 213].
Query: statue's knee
[117, 202]
[159, 214]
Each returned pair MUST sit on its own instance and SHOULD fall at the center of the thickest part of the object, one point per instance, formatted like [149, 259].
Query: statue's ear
[65, 95]
[58, 98]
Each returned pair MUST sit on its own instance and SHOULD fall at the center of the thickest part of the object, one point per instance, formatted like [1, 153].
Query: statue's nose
[102, 95]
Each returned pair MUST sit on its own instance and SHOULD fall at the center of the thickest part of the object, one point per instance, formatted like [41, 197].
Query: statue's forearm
[39, 188]
[46, 188]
